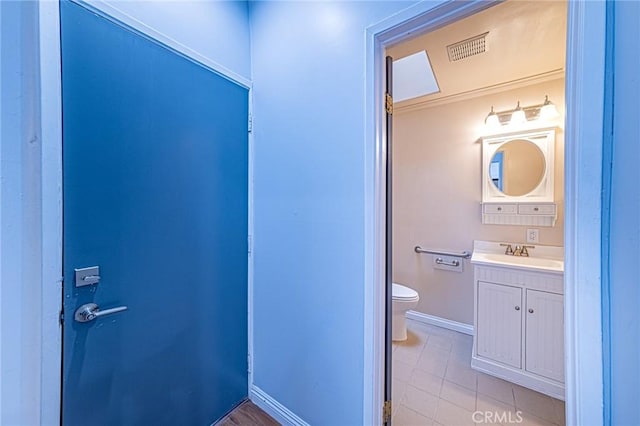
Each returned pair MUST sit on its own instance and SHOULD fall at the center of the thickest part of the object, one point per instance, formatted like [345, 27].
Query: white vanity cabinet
[519, 327]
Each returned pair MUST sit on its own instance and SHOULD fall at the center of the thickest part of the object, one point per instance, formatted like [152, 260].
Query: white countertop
[541, 258]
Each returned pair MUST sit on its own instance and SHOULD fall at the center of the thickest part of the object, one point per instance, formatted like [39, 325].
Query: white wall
[20, 290]
[309, 122]
[30, 170]
[215, 31]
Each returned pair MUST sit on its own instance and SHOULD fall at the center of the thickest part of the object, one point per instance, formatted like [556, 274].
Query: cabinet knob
[499, 209]
[530, 310]
[517, 308]
[535, 209]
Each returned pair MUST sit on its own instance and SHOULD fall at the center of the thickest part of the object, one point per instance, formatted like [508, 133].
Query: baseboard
[460, 327]
[272, 407]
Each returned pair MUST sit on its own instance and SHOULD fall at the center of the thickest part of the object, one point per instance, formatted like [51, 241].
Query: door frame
[49, 170]
[585, 77]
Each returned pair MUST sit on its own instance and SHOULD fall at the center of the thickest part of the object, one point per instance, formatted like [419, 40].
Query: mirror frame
[544, 139]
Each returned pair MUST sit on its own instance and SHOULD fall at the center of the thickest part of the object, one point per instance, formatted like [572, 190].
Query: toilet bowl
[402, 299]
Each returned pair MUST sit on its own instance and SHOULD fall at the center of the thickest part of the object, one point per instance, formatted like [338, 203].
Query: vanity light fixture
[521, 115]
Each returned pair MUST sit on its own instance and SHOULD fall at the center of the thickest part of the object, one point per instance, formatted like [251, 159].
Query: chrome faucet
[518, 251]
[509, 250]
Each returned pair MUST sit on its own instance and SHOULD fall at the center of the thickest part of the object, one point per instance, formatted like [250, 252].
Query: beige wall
[437, 192]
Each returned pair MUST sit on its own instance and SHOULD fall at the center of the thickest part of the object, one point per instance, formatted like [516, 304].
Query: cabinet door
[544, 342]
[499, 324]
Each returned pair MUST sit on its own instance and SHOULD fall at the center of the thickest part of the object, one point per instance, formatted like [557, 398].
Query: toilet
[403, 300]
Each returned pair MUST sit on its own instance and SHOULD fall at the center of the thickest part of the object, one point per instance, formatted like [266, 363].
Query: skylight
[413, 77]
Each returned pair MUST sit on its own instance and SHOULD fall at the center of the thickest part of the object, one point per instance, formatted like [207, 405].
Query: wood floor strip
[247, 414]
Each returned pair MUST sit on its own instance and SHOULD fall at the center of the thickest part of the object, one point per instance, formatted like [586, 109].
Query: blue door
[155, 152]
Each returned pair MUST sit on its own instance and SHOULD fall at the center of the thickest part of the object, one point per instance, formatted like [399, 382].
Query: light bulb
[492, 121]
[518, 116]
[548, 110]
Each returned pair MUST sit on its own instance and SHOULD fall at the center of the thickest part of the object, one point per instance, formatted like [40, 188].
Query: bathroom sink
[535, 263]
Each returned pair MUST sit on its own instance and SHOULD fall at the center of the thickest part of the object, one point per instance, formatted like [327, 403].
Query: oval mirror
[517, 167]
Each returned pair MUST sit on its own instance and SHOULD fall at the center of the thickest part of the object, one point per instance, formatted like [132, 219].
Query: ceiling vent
[466, 48]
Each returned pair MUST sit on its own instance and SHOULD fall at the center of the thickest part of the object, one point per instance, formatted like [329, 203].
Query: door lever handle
[91, 278]
[90, 311]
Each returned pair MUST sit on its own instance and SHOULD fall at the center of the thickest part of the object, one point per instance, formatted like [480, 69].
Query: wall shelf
[529, 214]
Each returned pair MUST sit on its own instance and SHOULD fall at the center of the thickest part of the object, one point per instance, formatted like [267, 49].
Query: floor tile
[401, 371]
[462, 348]
[458, 395]
[420, 401]
[462, 343]
[440, 342]
[433, 361]
[408, 354]
[493, 411]
[417, 335]
[464, 337]
[435, 351]
[431, 330]
[490, 419]
[542, 406]
[461, 373]
[408, 417]
[433, 383]
[486, 403]
[529, 419]
[397, 392]
[559, 408]
[449, 414]
[414, 337]
[426, 381]
[461, 357]
[496, 388]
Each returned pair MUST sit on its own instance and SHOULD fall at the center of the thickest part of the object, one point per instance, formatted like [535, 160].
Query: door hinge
[386, 412]
[388, 103]
[249, 244]
[250, 124]
[61, 317]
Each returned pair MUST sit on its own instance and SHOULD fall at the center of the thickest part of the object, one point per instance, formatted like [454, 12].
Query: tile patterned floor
[433, 384]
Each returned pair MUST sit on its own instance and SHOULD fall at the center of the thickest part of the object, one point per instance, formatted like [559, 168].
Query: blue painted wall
[624, 248]
[308, 63]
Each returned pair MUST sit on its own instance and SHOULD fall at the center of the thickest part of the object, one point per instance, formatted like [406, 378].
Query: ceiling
[525, 41]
